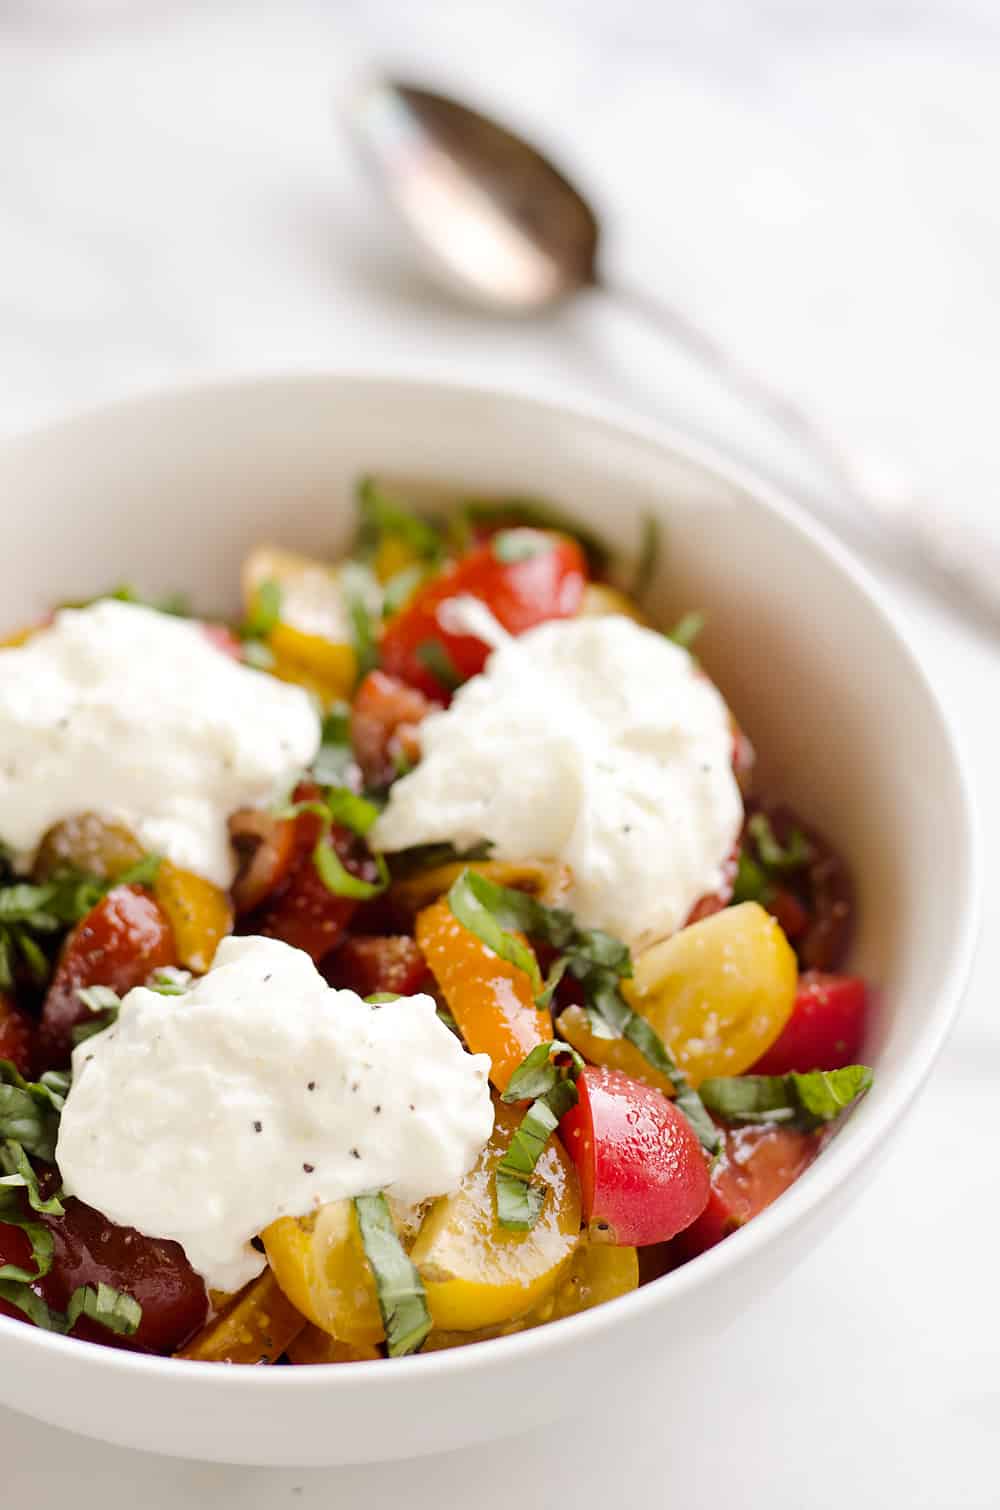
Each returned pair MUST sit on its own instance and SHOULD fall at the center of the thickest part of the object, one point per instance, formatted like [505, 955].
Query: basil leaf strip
[480, 906]
[335, 756]
[596, 959]
[807, 1100]
[382, 514]
[360, 590]
[434, 657]
[109, 1307]
[340, 881]
[401, 1298]
[687, 629]
[549, 1074]
[341, 806]
[20, 1173]
[29, 1110]
[265, 611]
[649, 550]
[774, 856]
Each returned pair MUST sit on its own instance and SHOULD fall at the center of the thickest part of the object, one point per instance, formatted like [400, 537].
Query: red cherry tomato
[17, 1037]
[118, 944]
[90, 1250]
[381, 962]
[826, 1029]
[758, 1165]
[384, 726]
[643, 1175]
[519, 594]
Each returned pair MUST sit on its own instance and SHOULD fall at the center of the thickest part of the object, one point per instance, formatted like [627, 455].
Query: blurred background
[817, 182]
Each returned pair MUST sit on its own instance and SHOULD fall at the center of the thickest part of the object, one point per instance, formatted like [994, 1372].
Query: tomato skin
[826, 1029]
[302, 911]
[519, 594]
[90, 1250]
[385, 719]
[643, 1175]
[118, 944]
[17, 1037]
[382, 962]
[758, 1165]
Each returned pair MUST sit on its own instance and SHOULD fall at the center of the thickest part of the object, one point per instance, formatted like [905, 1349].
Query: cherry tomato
[384, 726]
[758, 1164]
[519, 593]
[118, 944]
[17, 1037]
[826, 1028]
[266, 849]
[302, 911]
[90, 1250]
[492, 1000]
[380, 963]
[643, 1175]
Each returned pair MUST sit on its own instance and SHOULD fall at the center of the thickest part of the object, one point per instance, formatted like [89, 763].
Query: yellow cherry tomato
[719, 992]
[492, 1000]
[312, 641]
[319, 1261]
[315, 1346]
[574, 1026]
[255, 1326]
[475, 1273]
[599, 1272]
[199, 913]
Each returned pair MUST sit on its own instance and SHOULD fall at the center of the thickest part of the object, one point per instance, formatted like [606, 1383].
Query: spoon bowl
[499, 222]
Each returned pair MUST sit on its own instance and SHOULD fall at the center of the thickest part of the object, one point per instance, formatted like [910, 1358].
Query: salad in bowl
[412, 963]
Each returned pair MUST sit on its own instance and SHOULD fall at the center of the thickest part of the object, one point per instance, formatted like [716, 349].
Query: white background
[820, 182]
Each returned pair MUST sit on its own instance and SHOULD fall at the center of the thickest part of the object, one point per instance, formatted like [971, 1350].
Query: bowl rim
[878, 1117]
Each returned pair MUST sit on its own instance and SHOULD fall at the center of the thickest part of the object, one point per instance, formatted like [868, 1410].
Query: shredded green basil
[687, 629]
[773, 855]
[168, 980]
[110, 1308]
[361, 591]
[531, 513]
[805, 1100]
[548, 1075]
[481, 907]
[596, 959]
[400, 588]
[649, 550]
[29, 1109]
[383, 514]
[401, 1298]
[335, 757]
[349, 810]
[433, 656]
[265, 612]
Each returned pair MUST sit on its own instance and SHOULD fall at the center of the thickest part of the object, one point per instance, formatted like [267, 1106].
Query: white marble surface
[821, 182]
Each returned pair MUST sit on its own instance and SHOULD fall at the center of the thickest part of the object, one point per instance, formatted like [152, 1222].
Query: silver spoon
[502, 226]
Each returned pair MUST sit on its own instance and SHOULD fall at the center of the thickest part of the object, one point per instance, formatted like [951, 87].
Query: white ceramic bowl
[171, 491]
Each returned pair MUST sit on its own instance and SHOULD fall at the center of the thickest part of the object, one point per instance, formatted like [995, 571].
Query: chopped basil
[29, 1109]
[751, 884]
[265, 611]
[548, 1074]
[408, 862]
[18, 1173]
[400, 588]
[445, 1016]
[110, 1308]
[99, 998]
[596, 959]
[380, 998]
[341, 806]
[335, 758]
[168, 980]
[687, 630]
[361, 591]
[649, 550]
[401, 1299]
[382, 514]
[481, 907]
[773, 855]
[512, 546]
[434, 657]
[807, 1100]
[27, 909]
[532, 513]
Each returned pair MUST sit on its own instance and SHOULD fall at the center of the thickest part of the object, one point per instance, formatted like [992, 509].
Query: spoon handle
[959, 560]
